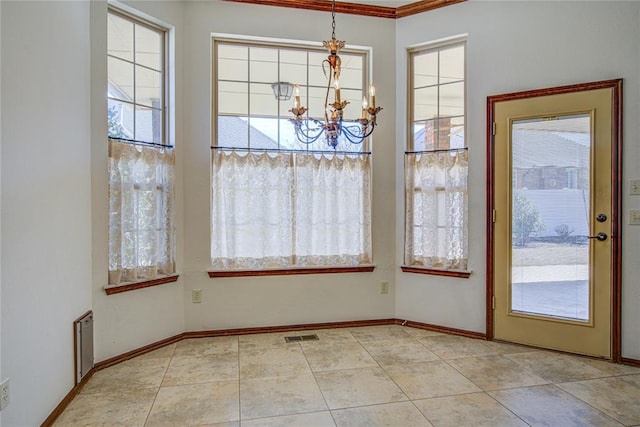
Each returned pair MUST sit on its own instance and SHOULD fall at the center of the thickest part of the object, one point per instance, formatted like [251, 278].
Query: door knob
[600, 236]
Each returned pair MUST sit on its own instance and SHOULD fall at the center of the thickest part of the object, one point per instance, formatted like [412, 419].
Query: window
[436, 163]
[277, 202]
[136, 83]
[141, 163]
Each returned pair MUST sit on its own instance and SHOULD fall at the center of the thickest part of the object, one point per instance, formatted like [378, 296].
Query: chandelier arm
[359, 136]
[326, 97]
[351, 136]
[307, 134]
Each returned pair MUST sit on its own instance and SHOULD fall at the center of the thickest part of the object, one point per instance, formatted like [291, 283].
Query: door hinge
[493, 215]
[493, 128]
[493, 302]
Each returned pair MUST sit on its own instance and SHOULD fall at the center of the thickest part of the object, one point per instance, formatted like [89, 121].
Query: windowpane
[263, 65]
[120, 79]
[233, 98]
[148, 48]
[233, 131]
[425, 103]
[120, 37]
[316, 102]
[351, 74]
[148, 87]
[148, 125]
[119, 119]
[233, 63]
[452, 99]
[262, 100]
[452, 64]
[425, 69]
[316, 75]
[264, 132]
[293, 66]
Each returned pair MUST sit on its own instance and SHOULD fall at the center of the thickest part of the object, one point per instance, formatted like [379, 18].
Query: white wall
[282, 300]
[46, 200]
[514, 46]
[126, 321]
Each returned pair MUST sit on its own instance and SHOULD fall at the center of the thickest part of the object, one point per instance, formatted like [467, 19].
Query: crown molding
[357, 8]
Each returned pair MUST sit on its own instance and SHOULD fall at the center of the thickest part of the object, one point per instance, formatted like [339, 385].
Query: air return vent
[83, 343]
[298, 338]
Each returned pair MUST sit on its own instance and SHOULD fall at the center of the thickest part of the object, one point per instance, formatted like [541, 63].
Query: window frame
[165, 76]
[306, 46]
[276, 43]
[167, 117]
[412, 52]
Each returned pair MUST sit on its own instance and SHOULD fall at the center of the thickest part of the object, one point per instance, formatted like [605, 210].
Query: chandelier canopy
[309, 130]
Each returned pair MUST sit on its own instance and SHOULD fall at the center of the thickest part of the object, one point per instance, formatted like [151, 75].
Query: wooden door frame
[616, 199]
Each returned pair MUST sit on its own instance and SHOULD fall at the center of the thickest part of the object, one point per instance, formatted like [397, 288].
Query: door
[553, 220]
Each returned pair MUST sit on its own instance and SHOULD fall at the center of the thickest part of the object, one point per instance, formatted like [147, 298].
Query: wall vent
[298, 338]
[83, 345]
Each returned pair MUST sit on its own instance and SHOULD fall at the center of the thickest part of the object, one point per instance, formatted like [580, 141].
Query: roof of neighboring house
[232, 132]
[542, 148]
[557, 207]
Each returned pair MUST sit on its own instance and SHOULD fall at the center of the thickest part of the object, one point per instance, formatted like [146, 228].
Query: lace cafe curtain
[289, 209]
[141, 212]
[436, 209]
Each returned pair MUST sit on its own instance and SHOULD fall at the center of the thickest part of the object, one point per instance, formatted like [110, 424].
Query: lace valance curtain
[290, 209]
[436, 209]
[141, 212]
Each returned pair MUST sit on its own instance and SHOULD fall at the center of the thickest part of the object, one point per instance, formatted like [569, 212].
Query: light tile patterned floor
[368, 376]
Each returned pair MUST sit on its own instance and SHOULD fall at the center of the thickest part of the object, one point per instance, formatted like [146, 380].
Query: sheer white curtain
[436, 210]
[279, 210]
[141, 212]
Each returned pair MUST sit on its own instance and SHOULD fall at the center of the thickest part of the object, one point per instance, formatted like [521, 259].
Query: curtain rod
[444, 150]
[278, 150]
[137, 142]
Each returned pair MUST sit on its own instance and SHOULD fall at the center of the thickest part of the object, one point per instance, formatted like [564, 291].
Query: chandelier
[309, 130]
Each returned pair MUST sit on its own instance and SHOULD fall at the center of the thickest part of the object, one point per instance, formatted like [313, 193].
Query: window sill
[132, 286]
[436, 272]
[291, 271]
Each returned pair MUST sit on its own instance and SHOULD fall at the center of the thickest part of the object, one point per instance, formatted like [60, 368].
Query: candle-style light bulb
[372, 95]
[337, 86]
[297, 98]
[364, 107]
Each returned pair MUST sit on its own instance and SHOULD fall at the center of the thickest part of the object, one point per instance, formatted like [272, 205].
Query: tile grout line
[394, 382]
[160, 386]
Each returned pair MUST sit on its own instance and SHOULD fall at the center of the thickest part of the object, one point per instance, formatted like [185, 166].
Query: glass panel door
[550, 214]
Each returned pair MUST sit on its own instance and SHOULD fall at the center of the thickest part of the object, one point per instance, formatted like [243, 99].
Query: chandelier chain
[333, 20]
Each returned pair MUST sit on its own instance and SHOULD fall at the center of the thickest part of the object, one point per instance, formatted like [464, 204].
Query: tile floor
[367, 376]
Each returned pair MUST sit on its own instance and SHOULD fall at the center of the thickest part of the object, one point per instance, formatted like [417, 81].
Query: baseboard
[442, 329]
[58, 410]
[288, 328]
[630, 362]
[137, 352]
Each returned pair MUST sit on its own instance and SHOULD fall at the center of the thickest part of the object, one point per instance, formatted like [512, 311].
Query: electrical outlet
[634, 217]
[384, 287]
[196, 296]
[4, 394]
[634, 187]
